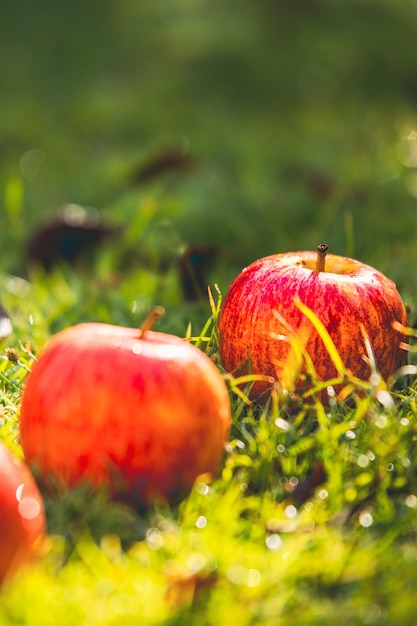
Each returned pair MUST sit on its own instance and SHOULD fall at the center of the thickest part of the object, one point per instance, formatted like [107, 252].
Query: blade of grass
[324, 336]
[297, 354]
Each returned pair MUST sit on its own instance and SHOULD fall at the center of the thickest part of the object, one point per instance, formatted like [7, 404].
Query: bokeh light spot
[29, 508]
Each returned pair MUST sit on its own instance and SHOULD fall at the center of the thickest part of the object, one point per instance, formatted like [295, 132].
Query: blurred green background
[291, 122]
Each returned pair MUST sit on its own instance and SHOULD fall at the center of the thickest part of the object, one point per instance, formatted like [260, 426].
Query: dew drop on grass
[385, 398]
[235, 444]
[363, 460]
[411, 501]
[154, 539]
[365, 519]
[202, 488]
[331, 392]
[201, 522]
[404, 421]
[323, 494]
[282, 424]
[291, 511]
[273, 541]
[390, 467]
[350, 434]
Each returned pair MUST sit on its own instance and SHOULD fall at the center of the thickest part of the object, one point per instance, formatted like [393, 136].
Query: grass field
[231, 131]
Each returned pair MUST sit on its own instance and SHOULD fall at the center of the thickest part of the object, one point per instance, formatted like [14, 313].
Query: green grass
[313, 514]
[299, 122]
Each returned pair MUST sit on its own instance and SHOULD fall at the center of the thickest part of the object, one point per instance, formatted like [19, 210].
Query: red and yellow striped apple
[139, 411]
[354, 302]
[23, 525]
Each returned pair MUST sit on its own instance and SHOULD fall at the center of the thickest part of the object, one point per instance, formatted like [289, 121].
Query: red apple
[140, 411]
[22, 525]
[261, 316]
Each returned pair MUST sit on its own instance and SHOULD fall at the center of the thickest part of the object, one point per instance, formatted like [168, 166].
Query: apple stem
[322, 250]
[155, 314]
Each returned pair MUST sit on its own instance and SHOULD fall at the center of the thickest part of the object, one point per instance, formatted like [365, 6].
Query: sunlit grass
[313, 512]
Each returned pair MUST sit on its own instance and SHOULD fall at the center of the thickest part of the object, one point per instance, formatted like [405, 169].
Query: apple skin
[143, 414]
[345, 296]
[23, 524]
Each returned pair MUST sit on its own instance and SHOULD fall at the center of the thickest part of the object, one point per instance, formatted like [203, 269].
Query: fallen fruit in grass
[140, 411]
[22, 525]
[69, 237]
[292, 313]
